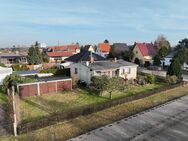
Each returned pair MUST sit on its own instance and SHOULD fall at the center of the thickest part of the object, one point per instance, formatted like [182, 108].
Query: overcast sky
[22, 22]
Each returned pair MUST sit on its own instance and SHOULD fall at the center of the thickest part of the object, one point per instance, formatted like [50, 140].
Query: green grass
[33, 108]
[37, 107]
[3, 97]
[133, 90]
[83, 124]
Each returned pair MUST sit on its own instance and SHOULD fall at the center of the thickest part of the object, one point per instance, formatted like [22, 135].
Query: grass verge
[83, 124]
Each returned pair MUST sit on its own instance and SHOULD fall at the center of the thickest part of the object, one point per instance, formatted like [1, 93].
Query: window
[75, 71]
[136, 52]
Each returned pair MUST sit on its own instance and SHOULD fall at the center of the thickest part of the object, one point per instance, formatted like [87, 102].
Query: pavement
[167, 122]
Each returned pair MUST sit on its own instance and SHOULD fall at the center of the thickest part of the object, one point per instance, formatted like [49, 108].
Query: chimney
[115, 59]
[91, 57]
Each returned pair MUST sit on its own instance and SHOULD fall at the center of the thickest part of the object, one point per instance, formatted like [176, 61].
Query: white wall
[167, 61]
[83, 72]
[3, 73]
[130, 72]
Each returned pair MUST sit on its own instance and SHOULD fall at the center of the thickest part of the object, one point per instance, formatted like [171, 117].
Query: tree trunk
[110, 95]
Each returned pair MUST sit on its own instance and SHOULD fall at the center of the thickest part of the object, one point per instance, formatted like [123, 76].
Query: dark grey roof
[108, 64]
[171, 54]
[11, 55]
[84, 56]
[121, 47]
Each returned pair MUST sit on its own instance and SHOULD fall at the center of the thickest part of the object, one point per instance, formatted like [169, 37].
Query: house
[121, 47]
[86, 70]
[144, 53]
[89, 48]
[58, 54]
[168, 59]
[103, 49]
[3, 73]
[13, 58]
[85, 56]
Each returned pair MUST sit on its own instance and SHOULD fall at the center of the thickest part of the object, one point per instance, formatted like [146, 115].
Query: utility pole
[14, 112]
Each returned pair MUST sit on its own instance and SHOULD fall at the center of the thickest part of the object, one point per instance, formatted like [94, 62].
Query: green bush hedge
[18, 67]
[57, 72]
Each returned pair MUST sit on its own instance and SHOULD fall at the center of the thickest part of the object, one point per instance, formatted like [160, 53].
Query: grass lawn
[3, 97]
[80, 125]
[37, 107]
[133, 90]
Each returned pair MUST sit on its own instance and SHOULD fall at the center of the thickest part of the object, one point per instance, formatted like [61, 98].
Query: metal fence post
[14, 112]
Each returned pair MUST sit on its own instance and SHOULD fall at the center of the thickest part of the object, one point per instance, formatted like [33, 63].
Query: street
[168, 122]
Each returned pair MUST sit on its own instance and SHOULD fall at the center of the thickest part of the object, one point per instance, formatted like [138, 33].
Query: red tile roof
[147, 49]
[69, 48]
[60, 54]
[105, 47]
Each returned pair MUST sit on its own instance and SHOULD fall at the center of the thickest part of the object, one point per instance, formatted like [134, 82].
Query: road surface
[168, 122]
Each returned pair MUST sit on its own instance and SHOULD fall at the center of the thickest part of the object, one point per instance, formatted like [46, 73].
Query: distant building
[13, 58]
[86, 70]
[58, 54]
[3, 73]
[103, 49]
[144, 53]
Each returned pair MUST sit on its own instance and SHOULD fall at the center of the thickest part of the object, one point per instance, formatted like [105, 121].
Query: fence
[84, 110]
[45, 87]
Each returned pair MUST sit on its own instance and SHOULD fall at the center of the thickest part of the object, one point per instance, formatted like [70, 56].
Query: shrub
[151, 79]
[13, 80]
[17, 67]
[56, 71]
[172, 79]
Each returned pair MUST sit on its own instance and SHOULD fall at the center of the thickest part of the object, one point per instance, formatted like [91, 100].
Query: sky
[22, 22]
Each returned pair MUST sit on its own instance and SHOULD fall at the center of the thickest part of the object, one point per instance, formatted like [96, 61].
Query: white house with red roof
[144, 53]
[58, 54]
[103, 49]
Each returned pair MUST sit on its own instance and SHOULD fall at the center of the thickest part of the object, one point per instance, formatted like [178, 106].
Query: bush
[56, 71]
[13, 80]
[172, 79]
[18, 67]
[151, 79]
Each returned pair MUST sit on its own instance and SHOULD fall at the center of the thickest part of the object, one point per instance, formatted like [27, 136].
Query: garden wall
[45, 87]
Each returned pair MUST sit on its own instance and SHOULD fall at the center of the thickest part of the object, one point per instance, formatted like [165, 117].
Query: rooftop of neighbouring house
[59, 54]
[147, 49]
[171, 54]
[104, 47]
[85, 56]
[121, 47]
[108, 64]
[12, 55]
[68, 48]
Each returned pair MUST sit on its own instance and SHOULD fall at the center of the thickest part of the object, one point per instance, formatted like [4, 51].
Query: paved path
[168, 122]
[3, 131]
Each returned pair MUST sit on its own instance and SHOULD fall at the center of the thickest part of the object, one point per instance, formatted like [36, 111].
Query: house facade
[86, 70]
[144, 53]
[13, 58]
[57, 54]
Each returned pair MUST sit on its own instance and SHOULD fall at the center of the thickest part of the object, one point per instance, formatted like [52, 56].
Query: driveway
[168, 122]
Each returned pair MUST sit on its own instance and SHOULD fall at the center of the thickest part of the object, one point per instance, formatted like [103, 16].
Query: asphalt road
[168, 122]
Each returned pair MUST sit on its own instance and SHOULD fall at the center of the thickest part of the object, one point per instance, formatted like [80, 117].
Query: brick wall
[42, 88]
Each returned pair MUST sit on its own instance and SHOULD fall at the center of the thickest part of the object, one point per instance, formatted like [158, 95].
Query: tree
[175, 68]
[105, 83]
[34, 55]
[106, 41]
[182, 44]
[161, 42]
[157, 60]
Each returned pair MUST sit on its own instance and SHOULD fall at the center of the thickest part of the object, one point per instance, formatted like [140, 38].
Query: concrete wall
[42, 88]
